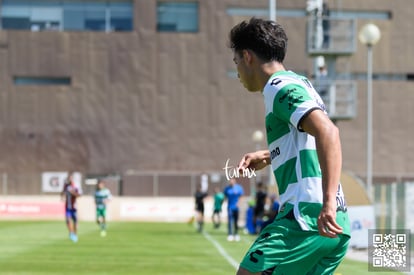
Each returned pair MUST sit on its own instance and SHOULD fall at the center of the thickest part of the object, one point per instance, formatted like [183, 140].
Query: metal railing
[339, 96]
[128, 183]
[330, 36]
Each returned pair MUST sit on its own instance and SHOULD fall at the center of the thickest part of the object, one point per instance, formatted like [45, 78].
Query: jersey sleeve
[292, 103]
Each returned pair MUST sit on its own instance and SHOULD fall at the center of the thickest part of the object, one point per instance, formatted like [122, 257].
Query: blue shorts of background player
[71, 221]
[71, 215]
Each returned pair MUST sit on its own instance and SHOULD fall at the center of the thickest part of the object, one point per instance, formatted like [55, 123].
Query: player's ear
[247, 56]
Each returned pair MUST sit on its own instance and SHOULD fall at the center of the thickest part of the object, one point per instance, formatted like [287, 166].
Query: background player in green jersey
[310, 234]
[218, 204]
[102, 197]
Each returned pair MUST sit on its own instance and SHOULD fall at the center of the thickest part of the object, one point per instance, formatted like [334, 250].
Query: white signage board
[52, 182]
[361, 218]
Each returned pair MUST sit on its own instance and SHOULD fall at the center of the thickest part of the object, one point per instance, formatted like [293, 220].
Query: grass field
[129, 248]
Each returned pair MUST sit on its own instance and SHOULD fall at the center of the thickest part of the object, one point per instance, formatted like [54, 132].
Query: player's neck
[268, 69]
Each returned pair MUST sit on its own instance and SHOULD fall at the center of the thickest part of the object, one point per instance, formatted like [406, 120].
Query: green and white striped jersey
[101, 196]
[288, 98]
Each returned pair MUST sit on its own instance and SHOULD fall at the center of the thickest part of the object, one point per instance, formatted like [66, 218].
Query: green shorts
[100, 212]
[284, 248]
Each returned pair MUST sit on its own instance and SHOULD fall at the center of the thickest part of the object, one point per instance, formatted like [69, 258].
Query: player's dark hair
[265, 38]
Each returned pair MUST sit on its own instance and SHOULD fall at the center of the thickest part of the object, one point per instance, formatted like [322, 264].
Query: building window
[84, 16]
[42, 80]
[177, 16]
[120, 16]
[67, 15]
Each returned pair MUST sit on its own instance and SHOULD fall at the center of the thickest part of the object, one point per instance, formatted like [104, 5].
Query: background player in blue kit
[233, 191]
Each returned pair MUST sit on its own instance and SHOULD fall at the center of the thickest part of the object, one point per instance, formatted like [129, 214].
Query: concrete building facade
[147, 100]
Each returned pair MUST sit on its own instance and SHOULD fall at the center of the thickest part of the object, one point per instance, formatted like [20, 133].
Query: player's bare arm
[62, 194]
[328, 146]
[255, 160]
[75, 193]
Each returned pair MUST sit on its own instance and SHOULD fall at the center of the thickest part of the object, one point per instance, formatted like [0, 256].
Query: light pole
[369, 35]
[257, 138]
[272, 10]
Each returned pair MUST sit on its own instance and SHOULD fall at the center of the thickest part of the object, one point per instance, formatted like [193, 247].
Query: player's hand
[255, 160]
[327, 225]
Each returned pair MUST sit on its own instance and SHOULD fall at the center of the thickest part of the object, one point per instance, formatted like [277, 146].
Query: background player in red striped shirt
[69, 194]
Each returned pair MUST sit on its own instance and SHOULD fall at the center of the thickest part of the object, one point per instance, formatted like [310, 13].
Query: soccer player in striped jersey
[69, 194]
[311, 232]
[102, 196]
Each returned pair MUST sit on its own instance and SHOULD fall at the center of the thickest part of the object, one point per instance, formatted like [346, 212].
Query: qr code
[390, 249]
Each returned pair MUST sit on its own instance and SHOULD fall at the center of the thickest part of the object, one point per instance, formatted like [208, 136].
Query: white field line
[222, 251]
